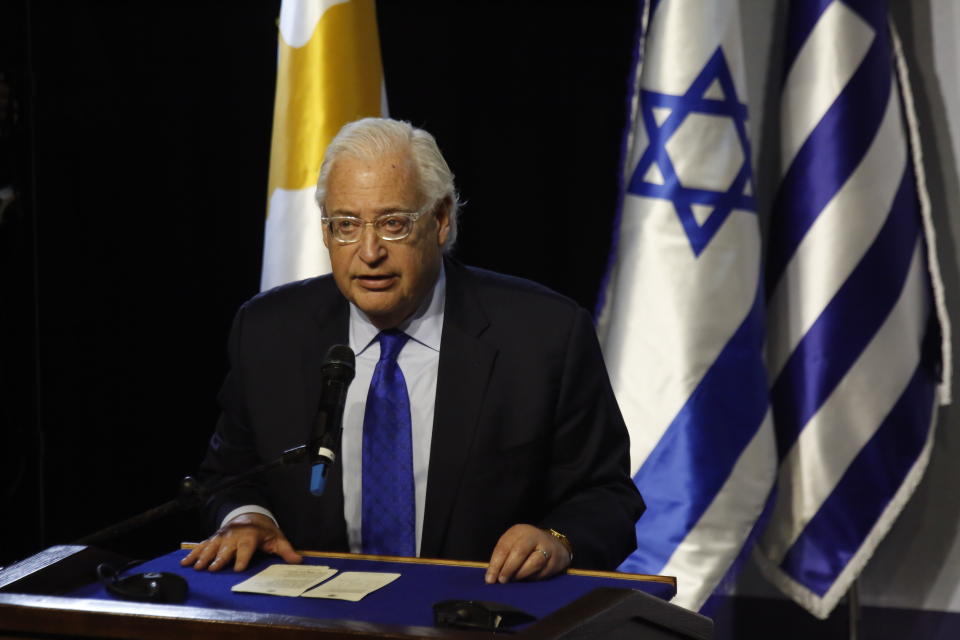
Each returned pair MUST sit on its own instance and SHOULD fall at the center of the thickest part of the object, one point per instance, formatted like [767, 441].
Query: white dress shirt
[419, 361]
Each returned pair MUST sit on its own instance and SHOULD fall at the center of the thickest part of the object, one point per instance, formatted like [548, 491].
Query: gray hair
[372, 137]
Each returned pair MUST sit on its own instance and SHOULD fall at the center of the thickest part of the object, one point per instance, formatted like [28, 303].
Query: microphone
[336, 373]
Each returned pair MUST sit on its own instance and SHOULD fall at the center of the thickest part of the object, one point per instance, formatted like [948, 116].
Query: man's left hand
[526, 552]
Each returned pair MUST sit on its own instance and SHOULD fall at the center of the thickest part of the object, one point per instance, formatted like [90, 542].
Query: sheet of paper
[352, 585]
[285, 579]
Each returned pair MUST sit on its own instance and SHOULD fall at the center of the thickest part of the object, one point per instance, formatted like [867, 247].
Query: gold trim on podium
[640, 577]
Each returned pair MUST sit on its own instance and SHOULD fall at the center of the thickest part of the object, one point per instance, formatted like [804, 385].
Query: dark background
[137, 137]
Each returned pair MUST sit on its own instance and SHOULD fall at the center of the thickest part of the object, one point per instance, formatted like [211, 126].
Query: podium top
[406, 601]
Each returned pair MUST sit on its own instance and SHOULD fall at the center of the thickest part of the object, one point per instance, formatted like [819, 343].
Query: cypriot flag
[329, 73]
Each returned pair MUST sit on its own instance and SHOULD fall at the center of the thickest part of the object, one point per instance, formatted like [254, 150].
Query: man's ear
[442, 212]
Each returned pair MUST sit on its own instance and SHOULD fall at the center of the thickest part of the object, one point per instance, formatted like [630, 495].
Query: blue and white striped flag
[682, 321]
[854, 349]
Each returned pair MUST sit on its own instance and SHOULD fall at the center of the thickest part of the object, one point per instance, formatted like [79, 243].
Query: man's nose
[371, 245]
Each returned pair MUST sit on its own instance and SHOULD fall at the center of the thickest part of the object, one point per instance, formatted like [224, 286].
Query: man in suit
[514, 447]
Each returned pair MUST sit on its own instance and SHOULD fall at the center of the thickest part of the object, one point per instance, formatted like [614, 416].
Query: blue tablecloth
[406, 601]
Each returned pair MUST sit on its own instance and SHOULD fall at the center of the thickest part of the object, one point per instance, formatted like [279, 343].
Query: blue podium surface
[407, 601]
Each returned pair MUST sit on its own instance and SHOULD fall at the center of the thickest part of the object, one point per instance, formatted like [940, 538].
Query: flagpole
[853, 607]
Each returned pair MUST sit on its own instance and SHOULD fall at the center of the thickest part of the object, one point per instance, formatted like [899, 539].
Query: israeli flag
[858, 329]
[682, 321]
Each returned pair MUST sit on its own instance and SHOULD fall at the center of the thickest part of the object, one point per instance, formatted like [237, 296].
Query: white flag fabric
[855, 328]
[682, 321]
[328, 74]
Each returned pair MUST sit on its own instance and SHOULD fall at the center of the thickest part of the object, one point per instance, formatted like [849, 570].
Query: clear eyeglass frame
[339, 225]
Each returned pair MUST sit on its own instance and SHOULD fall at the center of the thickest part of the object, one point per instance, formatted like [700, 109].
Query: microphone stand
[193, 494]
[337, 373]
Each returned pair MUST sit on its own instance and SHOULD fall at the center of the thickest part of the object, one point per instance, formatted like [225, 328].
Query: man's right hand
[239, 539]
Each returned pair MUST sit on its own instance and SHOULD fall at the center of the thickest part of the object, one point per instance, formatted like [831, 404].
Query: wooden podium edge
[66, 617]
[639, 577]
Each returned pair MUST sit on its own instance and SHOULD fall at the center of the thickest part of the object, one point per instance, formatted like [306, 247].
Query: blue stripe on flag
[804, 15]
[803, 18]
[693, 459]
[849, 322]
[828, 156]
[873, 12]
[845, 519]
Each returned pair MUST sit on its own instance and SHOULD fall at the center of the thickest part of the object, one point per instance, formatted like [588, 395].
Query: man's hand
[526, 552]
[241, 537]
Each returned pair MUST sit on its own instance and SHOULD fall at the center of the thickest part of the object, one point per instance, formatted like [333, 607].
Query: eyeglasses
[390, 226]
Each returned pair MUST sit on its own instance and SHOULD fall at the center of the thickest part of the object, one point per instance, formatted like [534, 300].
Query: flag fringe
[944, 388]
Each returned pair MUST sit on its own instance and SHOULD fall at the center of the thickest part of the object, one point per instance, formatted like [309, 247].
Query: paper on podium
[285, 579]
[352, 585]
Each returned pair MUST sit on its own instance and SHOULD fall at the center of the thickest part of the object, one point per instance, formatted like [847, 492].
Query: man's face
[386, 279]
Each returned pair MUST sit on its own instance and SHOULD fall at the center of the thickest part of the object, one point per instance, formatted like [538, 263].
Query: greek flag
[682, 321]
[328, 74]
[857, 325]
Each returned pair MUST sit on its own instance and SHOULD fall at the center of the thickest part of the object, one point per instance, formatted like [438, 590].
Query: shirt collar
[425, 325]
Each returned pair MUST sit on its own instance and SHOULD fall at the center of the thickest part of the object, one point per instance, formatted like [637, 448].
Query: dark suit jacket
[526, 428]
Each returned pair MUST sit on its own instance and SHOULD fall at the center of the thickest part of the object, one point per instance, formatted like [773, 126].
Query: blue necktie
[389, 517]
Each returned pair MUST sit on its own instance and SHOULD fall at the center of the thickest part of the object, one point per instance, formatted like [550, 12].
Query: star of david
[656, 176]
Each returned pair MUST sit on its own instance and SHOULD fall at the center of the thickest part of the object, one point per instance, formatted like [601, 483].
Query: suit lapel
[464, 370]
[329, 325]
[331, 322]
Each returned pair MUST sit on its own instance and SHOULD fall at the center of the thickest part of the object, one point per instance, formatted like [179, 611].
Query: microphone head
[339, 363]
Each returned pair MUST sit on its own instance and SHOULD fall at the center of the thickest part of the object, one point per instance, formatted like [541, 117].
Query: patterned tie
[389, 520]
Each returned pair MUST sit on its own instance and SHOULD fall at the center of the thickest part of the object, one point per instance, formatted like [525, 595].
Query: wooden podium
[28, 608]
